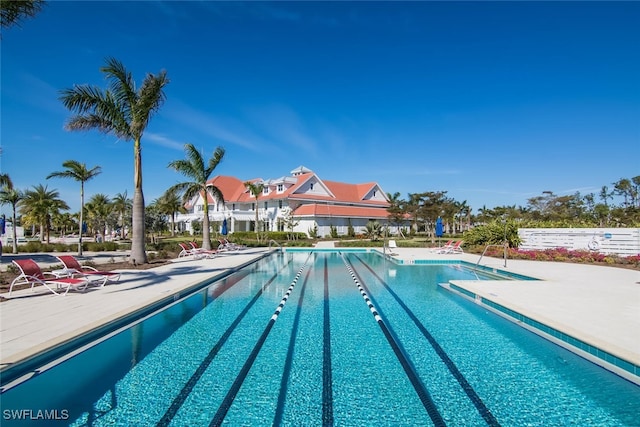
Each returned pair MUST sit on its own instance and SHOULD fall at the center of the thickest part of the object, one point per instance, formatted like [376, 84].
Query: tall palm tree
[39, 205]
[255, 188]
[170, 203]
[12, 196]
[193, 167]
[121, 205]
[79, 172]
[124, 112]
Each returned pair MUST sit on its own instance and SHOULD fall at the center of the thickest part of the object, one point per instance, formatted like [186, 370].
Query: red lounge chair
[30, 273]
[74, 268]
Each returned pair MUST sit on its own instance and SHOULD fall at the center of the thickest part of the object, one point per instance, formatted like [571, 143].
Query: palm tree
[170, 203]
[12, 196]
[194, 168]
[99, 208]
[256, 190]
[124, 112]
[121, 204]
[5, 181]
[13, 11]
[79, 172]
[39, 205]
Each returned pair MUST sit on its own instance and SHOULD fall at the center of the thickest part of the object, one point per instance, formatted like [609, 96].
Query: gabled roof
[235, 191]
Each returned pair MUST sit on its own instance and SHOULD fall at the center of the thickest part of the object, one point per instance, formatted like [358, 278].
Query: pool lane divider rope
[419, 387]
[242, 375]
[485, 413]
[181, 397]
[286, 371]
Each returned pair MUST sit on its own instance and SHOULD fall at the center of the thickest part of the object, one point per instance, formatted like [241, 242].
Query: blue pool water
[326, 338]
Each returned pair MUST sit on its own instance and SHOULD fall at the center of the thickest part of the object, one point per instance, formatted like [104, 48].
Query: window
[311, 186]
[265, 190]
[265, 205]
[233, 207]
[280, 204]
[374, 193]
[253, 206]
[280, 188]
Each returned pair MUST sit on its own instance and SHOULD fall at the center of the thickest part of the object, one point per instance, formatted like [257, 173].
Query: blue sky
[493, 102]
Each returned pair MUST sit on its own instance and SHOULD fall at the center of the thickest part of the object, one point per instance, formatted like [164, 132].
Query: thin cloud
[163, 141]
[224, 130]
[283, 125]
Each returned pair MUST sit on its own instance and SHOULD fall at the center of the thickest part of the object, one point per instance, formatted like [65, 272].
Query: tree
[396, 210]
[193, 167]
[12, 196]
[5, 181]
[121, 205]
[170, 203]
[13, 11]
[124, 112]
[256, 190]
[79, 172]
[39, 205]
[99, 208]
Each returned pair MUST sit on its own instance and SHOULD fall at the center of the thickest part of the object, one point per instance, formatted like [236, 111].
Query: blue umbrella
[439, 231]
[224, 230]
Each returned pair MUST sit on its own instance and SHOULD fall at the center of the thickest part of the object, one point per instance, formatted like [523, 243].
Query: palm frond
[218, 155]
[215, 192]
[121, 83]
[81, 98]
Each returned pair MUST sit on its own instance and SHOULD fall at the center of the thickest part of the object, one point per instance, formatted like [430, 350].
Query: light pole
[506, 244]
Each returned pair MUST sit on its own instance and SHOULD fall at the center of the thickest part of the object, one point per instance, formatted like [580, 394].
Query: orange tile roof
[234, 190]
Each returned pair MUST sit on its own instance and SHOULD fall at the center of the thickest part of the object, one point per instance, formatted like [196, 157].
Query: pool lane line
[242, 375]
[181, 397]
[327, 378]
[485, 413]
[419, 387]
[286, 372]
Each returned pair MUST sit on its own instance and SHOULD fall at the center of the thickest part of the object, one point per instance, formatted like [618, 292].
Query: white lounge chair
[452, 249]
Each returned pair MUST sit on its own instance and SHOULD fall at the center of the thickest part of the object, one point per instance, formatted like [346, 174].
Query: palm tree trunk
[206, 237]
[81, 218]
[138, 253]
[15, 232]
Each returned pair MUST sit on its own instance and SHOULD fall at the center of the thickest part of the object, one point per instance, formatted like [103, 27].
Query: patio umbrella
[439, 227]
[224, 230]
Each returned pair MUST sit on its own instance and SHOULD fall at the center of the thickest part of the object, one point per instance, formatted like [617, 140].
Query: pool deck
[598, 305]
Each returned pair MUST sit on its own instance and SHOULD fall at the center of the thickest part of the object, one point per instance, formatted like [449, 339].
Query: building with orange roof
[300, 200]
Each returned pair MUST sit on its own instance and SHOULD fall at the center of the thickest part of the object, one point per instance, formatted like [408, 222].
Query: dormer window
[311, 186]
[280, 188]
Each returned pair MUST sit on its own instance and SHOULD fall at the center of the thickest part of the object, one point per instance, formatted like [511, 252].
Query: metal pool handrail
[276, 243]
[489, 246]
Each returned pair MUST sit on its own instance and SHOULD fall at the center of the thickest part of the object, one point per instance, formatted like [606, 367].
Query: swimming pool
[326, 338]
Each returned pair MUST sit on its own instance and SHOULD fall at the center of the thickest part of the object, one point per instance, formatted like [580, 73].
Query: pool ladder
[490, 246]
[275, 243]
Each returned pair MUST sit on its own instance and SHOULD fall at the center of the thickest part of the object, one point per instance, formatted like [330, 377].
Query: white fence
[618, 241]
